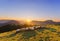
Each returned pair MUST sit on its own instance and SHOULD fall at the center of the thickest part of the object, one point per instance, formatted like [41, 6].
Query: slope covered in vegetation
[50, 33]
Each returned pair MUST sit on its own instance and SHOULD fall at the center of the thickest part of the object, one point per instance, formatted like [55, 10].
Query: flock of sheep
[28, 28]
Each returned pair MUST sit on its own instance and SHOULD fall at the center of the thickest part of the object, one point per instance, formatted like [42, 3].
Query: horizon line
[19, 19]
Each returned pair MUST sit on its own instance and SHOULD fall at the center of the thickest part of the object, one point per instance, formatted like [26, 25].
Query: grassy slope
[50, 33]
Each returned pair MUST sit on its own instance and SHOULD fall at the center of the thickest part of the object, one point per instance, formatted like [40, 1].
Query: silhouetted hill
[45, 22]
[5, 22]
[9, 25]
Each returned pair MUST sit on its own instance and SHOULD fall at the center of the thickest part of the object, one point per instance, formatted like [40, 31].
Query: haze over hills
[45, 22]
[5, 22]
[7, 25]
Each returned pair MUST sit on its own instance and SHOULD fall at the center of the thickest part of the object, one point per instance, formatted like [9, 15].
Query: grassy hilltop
[49, 33]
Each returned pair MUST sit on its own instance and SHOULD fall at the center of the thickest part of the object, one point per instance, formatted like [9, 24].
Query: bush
[9, 27]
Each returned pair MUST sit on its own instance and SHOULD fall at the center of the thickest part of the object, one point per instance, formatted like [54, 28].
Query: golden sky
[11, 18]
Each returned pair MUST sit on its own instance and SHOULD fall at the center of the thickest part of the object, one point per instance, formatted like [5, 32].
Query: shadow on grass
[50, 29]
[25, 34]
[41, 29]
[28, 34]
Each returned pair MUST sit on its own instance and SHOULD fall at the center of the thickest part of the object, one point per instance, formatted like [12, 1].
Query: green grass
[44, 34]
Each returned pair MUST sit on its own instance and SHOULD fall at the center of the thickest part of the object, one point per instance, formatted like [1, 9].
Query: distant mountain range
[45, 22]
[5, 22]
[6, 25]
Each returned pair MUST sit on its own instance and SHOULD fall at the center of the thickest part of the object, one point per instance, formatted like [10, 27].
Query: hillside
[9, 32]
[45, 22]
[43, 34]
[8, 25]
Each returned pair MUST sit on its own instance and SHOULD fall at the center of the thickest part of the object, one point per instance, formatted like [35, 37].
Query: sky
[30, 9]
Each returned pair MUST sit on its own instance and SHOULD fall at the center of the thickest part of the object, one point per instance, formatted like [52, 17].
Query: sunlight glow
[28, 21]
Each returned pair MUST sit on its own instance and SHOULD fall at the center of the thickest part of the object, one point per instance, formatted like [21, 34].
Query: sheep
[18, 30]
[29, 28]
[37, 27]
[23, 28]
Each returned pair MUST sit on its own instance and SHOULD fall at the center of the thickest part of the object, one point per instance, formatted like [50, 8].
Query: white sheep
[18, 30]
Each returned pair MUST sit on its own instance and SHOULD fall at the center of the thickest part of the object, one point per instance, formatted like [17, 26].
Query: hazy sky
[30, 9]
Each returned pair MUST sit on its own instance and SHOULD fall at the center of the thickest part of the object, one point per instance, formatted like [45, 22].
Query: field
[50, 33]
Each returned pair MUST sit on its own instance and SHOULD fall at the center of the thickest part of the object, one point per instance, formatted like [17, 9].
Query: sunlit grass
[47, 34]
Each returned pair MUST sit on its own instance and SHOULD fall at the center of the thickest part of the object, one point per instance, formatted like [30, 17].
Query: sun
[28, 21]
